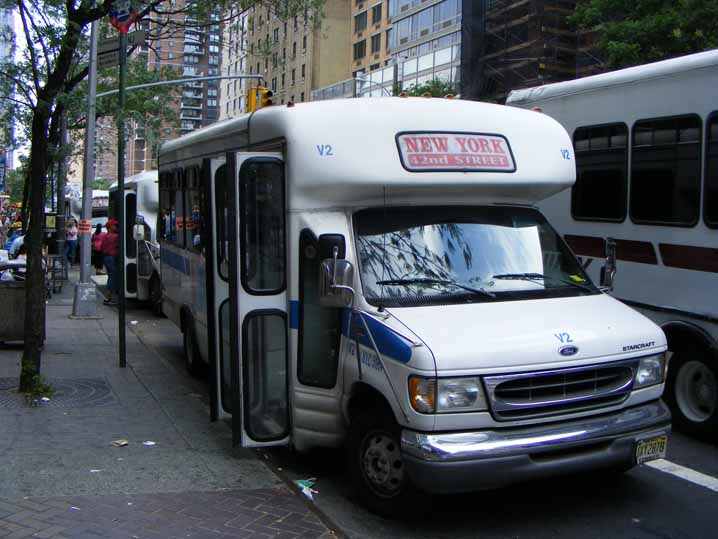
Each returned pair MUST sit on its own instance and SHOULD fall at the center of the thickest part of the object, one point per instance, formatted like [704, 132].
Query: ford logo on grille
[568, 350]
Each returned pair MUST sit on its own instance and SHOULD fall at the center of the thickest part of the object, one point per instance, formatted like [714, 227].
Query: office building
[232, 62]
[7, 51]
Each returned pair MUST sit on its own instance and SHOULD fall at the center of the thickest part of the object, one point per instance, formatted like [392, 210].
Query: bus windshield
[412, 256]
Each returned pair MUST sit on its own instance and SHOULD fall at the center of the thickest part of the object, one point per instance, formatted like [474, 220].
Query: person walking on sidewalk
[71, 232]
[108, 248]
[97, 249]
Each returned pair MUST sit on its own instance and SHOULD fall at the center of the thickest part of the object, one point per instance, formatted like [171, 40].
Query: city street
[644, 503]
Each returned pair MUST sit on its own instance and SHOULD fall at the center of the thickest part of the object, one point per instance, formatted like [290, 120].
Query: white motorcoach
[646, 146]
[142, 257]
[372, 272]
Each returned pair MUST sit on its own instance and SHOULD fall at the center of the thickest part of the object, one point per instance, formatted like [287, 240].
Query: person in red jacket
[108, 248]
[97, 249]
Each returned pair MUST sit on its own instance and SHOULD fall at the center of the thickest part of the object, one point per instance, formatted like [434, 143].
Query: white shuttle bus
[142, 263]
[646, 147]
[374, 273]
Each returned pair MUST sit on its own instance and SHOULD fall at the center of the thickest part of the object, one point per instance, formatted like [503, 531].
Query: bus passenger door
[258, 320]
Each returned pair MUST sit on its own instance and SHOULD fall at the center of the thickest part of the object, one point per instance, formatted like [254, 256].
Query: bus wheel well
[366, 397]
[185, 319]
[686, 337]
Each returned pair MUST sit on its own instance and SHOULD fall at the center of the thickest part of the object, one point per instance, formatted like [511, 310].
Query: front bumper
[466, 461]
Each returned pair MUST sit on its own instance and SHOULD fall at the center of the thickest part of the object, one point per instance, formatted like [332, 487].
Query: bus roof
[351, 152]
[148, 175]
[629, 75]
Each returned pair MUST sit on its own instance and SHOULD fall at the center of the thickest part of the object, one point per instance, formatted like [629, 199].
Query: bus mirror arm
[336, 277]
[138, 232]
[608, 271]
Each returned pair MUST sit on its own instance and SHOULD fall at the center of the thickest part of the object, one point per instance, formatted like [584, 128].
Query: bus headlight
[444, 395]
[651, 371]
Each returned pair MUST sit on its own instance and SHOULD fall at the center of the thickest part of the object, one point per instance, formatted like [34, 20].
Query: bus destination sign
[460, 152]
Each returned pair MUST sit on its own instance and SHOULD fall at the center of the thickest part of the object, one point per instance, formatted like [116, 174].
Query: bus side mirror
[336, 277]
[608, 271]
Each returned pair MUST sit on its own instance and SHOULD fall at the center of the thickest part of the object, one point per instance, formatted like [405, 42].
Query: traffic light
[251, 104]
[265, 97]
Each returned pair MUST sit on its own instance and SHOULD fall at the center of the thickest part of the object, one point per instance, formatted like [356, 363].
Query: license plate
[651, 449]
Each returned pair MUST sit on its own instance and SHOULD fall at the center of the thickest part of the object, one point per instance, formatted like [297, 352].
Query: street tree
[38, 89]
[629, 33]
[435, 87]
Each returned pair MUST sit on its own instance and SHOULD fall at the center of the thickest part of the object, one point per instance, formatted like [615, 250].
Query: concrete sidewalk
[60, 475]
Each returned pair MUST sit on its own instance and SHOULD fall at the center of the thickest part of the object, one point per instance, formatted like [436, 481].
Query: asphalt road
[644, 503]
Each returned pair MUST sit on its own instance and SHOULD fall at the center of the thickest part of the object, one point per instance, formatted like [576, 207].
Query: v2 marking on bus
[566, 154]
[325, 150]
[563, 337]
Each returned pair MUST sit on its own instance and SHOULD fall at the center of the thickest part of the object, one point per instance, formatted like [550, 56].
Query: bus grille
[562, 391]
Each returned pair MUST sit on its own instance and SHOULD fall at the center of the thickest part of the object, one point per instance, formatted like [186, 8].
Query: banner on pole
[122, 15]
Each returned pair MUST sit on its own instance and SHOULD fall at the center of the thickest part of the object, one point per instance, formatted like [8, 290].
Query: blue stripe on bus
[176, 261]
[387, 341]
[294, 314]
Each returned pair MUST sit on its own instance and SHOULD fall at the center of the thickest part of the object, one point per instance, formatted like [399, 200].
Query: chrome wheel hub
[696, 391]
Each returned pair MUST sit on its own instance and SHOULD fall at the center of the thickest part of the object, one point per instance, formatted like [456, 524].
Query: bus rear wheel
[692, 393]
[192, 359]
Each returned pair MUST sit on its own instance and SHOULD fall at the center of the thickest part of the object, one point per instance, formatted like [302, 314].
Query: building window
[294, 76]
[600, 192]
[274, 60]
[294, 49]
[375, 43]
[710, 205]
[360, 49]
[283, 80]
[360, 21]
[376, 14]
[274, 84]
[276, 35]
[301, 97]
[389, 36]
[284, 54]
[304, 44]
[304, 71]
[666, 170]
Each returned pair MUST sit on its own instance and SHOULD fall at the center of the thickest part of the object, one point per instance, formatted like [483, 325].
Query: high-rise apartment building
[7, 50]
[293, 55]
[232, 62]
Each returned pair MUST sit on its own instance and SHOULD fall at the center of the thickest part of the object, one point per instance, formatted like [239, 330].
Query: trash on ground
[305, 485]
[45, 399]
[133, 322]
[149, 442]
[95, 471]
[119, 443]
[75, 508]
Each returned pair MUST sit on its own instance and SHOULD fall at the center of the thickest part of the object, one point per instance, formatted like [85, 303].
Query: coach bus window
[600, 191]
[220, 199]
[710, 205]
[165, 220]
[666, 170]
[319, 327]
[193, 209]
[177, 210]
[261, 198]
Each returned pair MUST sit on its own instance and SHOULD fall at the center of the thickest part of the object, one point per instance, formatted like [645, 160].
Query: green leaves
[435, 87]
[631, 32]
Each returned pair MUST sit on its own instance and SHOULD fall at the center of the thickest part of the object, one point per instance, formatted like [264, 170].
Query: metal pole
[120, 281]
[60, 218]
[84, 303]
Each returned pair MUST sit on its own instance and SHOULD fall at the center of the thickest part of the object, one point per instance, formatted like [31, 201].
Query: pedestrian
[109, 253]
[71, 232]
[97, 249]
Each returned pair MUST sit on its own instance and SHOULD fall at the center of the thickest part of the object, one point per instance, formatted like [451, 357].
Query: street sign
[113, 44]
[85, 226]
[108, 59]
[122, 15]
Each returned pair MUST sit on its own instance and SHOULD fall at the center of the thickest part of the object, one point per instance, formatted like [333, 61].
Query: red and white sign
[85, 226]
[462, 152]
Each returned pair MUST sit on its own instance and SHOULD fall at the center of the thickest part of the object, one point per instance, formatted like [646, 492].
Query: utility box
[12, 298]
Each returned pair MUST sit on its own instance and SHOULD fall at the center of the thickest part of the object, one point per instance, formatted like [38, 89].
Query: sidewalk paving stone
[61, 478]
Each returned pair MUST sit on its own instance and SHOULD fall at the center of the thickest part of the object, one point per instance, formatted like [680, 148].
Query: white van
[374, 273]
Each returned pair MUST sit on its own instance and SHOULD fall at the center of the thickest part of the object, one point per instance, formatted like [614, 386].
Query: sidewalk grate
[69, 393]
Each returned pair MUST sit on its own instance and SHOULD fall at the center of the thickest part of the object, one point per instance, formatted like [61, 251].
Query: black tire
[376, 465]
[156, 295]
[692, 393]
[192, 359]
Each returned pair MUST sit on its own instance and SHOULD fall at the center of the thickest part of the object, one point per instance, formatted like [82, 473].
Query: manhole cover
[69, 393]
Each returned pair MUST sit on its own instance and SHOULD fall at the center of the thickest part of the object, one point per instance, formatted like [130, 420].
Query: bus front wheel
[192, 359]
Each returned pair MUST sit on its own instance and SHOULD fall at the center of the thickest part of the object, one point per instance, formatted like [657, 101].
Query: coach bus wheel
[192, 359]
[156, 295]
[692, 392]
[376, 464]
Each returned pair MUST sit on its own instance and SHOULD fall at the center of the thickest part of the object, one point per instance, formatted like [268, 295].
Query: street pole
[60, 217]
[120, 281]
[84, 303]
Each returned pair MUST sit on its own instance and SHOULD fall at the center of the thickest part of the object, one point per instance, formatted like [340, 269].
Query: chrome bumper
[461, 461]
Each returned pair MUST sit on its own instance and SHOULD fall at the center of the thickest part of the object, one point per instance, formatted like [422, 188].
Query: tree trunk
[35, 282]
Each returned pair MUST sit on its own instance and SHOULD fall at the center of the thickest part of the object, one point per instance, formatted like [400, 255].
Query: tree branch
[31, 48]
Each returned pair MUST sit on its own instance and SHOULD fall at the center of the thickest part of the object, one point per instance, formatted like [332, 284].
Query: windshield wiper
[533, 277]
[437, 281]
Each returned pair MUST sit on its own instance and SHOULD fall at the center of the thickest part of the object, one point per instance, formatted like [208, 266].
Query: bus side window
[710, 205]
[220, 203]
[666, 171]
[177, 213]
[601, 189]
[193, 204]
[163, 218]
[319, 327]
